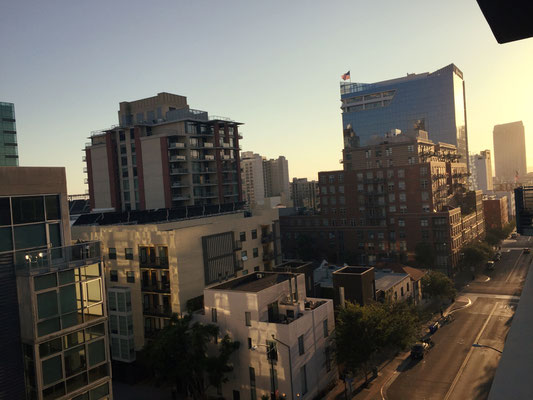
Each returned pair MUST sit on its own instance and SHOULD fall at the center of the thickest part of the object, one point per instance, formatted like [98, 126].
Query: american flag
[345, 76]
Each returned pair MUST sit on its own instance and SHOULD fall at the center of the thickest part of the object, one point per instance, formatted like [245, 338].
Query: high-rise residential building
[160, 261]
[286, 337]
[253, 181]
[53, 330]
[276, 176]
[399, 191]
[8, 136]
[304, 193]
[481, 171]
[510, 152]
[434, 102]
[164, 154]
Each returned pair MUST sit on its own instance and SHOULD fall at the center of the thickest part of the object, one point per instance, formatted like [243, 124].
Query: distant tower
[510, 152]
[8, 136]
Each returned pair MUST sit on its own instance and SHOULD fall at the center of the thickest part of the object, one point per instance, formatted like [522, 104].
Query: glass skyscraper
[8, 136]
[434, 102]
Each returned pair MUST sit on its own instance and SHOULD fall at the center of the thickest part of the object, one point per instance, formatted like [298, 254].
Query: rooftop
[415, 273]
[253, 282]
[386, 279]
[353, 270]
[161, 215]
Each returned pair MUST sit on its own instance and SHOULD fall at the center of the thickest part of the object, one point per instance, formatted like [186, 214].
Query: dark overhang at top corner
[508, 20]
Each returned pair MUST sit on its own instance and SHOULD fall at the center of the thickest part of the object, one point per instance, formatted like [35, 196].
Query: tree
[476, 254]
[438, 286]
[425, 254]
[362, 332]
[179, 356]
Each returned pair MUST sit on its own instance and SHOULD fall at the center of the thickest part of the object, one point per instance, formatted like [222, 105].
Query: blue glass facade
[433, 102]
[8, 136]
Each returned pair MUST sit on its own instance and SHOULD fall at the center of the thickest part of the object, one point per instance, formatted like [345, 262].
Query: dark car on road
[497, 257]
[418, 350]
[526, 250]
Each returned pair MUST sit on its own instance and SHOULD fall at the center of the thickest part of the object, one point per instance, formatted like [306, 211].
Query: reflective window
[27, 209]
[52, 207]
[52, 370]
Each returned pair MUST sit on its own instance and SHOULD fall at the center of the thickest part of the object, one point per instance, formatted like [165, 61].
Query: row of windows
[130, 276]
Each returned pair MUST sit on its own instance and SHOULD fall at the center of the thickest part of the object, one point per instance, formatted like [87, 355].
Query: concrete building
[396, 192]
[434, 102]
[253, 180]
[163, 154]
[8, 136]
[304, 193]
[163, 260]
[276, 176]
[285, 336]
[392, 286]
[53, 330]
[510, 152]
[481, 171]
[495, 212]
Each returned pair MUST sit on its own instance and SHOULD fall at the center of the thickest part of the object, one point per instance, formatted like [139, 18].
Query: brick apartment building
[395, 192]
[495, 211]
[163, 154]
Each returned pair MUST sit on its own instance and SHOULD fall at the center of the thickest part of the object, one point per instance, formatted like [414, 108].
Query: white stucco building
[284, 336]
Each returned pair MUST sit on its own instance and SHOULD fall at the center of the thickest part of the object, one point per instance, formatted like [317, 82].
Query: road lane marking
[514, 267]
[492, 296]
[463, 366]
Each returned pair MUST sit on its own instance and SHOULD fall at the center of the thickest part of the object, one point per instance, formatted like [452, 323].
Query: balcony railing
[178, 185]
[56, 258]
[159, 287]
[176, 171]
[181, 197]
[159, 311]
[204, 171]
[176, 145]
[269, 237]
[156, 262]
[178, 158]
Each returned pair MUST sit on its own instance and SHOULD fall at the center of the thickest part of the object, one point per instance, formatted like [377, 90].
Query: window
[113, 275]
[402, 197]
[52, 370]
[325, 326]
[254, 234]
[301, 349]
[424, 222]
[213, 315]
[401, 222]
[424, 184]
[407, 286]
[425, 196]
[27, 209]
[248, 318]
[256, 252]
[130, 276]
[244, 255]
[128, 253]
[401, 291]
[242, 236]
[304, 380]
[423, 171]
[112, 253]
[272, 351]
[253, 394]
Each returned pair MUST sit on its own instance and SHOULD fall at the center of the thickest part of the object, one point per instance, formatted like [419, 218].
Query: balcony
[181, 197]
[208, 195]
[204, 171]
[178, 185]
[206, 183]
[154, 262]
[209, 145]
[269, 237]
[268, 256]
[178, 158]
[230, 194]
[176, 145]
[158, 311]
[56, 258]
[229, 182]
[177, 171]
[84, 158]
[156, 287]
[84, 170]
[226, 157]
[209, 157]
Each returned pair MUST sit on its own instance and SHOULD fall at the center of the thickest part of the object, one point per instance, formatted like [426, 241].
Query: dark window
[242, 236]
[213, 315]
[124, 160]
[256, 252]
[113, 275]
[272, 352]
[256, 268]
[27, 209]
[6, 239]
[122, 136]
[129, 253]
[112, 253]
[301, 349]
[326, 331]
[130, 276]
[5, 212]
[249, 343]
[304, 380]
[50, 347]
[134, 171]
[52, 207]
[248, 318]
[29, 236]
[254, 234]
[132, 133]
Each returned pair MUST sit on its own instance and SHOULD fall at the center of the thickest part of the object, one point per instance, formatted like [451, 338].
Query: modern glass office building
[8, 136]
[434, 102]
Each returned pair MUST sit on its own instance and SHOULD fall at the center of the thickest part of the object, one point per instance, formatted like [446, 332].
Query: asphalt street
[454, 368]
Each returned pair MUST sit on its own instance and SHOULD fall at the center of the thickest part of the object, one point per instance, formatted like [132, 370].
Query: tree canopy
[179, 356]
[437, 285]
[361, 332]
[476, 254]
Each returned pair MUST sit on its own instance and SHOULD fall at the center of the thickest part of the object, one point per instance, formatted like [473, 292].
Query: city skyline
[274, 65]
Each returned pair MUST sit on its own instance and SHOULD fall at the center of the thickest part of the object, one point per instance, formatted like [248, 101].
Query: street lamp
[290, 363]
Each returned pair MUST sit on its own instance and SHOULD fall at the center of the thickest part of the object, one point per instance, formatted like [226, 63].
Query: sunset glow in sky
[275, 66]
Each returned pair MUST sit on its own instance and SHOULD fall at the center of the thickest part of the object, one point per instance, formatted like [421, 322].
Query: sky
[273, 65]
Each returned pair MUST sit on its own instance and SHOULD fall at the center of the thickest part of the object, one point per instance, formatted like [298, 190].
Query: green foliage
[179, 354]
[437, 285]
[494, 236]
[361, 332]
[425, 254]
[476, 254]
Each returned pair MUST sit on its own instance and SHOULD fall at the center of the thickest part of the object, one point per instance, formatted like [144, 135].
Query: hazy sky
[273, 65]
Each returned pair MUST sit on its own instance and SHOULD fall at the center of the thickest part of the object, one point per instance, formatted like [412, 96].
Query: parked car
[514, 235]
[419, 350]
[497, 257]
[526, 250]
[433, 327]
[490, 265]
